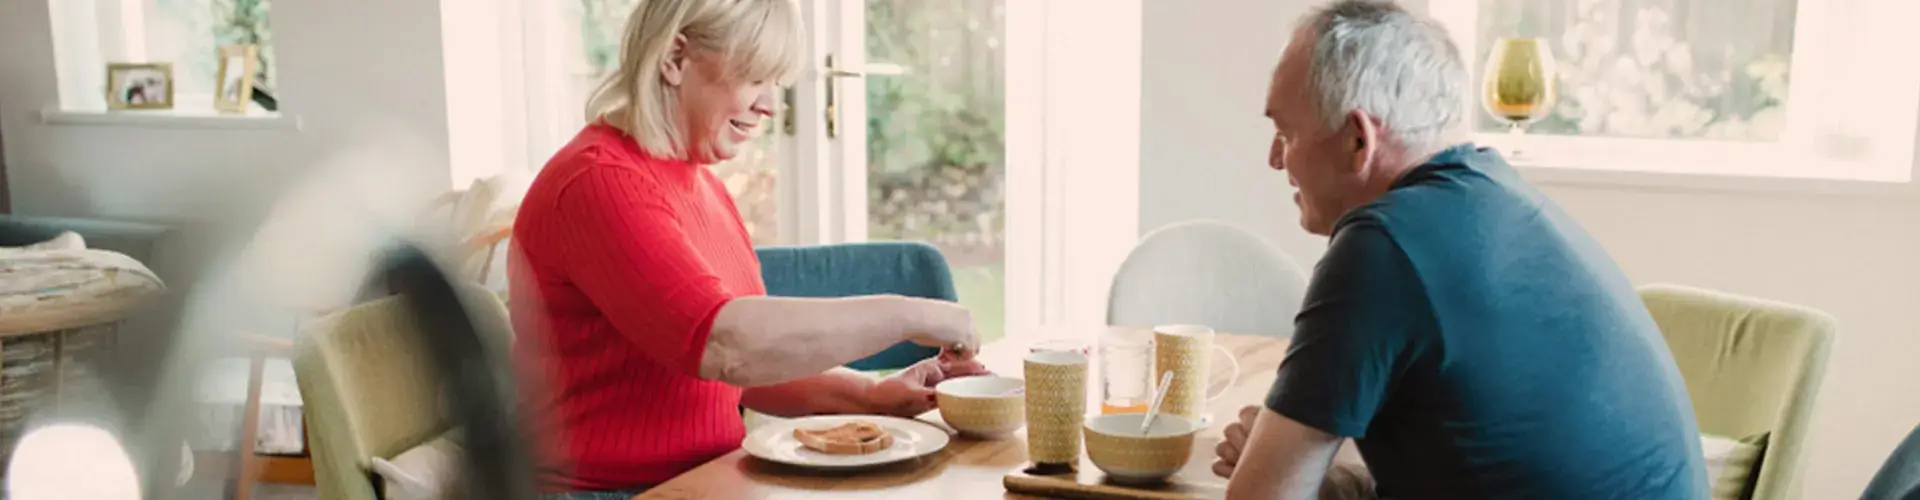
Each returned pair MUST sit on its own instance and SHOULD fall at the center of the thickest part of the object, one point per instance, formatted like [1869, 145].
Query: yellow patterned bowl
[1115, 444]
[983, 407]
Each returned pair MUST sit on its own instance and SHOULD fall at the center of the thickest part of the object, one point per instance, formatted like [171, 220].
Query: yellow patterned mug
[1187, 351]
[1056, 405]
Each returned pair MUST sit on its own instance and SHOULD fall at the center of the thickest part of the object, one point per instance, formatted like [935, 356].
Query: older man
[1462, 329]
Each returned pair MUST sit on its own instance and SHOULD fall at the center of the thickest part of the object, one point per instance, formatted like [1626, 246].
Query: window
[189, 33]
[1768, 88]
[186, 33]
[1656, 69]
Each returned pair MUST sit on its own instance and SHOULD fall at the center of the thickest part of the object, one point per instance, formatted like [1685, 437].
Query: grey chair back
[1208, 273]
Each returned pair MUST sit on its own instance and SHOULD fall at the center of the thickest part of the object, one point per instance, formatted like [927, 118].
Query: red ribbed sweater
[622, 260]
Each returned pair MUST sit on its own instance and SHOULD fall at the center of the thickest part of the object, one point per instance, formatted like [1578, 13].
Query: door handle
[787, 97]
[835, 72]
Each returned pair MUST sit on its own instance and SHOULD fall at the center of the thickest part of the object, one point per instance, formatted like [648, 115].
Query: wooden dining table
[970, 469]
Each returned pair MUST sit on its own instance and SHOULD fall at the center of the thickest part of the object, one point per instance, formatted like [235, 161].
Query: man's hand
[1268, 456]
[909, 393]
[1228, 452]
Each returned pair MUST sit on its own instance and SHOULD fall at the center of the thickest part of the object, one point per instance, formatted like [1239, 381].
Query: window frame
[1815, 144]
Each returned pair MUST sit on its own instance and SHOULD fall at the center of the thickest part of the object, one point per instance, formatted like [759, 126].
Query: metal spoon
[1159, 395]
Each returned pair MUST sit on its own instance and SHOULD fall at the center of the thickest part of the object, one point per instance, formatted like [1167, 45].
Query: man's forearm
[1282, 459]
[760, 341]
[838, 391]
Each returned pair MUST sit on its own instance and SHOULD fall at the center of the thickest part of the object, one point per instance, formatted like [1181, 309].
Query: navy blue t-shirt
[1477, 343]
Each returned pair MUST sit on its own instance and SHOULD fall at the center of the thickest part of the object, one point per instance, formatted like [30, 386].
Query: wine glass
[1519, 81]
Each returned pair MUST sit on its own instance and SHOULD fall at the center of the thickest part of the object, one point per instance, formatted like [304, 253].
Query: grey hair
[1404, 69]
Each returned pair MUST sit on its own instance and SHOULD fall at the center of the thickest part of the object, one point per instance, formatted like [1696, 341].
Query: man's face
[1324, 165]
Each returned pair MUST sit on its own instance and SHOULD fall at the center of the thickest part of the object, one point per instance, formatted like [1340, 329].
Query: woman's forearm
[836, 391]
[769, 340]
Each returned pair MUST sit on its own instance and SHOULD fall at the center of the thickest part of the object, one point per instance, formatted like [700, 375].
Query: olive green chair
[370, 390]
[1752, 367]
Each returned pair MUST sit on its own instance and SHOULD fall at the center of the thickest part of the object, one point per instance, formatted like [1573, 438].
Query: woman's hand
[945, 325]
[909, 393]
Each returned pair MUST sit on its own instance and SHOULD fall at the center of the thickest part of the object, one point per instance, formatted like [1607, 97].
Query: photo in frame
[139, 86]
[233, 88]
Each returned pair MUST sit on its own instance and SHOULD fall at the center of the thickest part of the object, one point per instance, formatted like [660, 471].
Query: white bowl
[983, 407]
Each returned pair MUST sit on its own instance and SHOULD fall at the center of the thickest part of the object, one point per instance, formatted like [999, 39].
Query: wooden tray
[1089, 483]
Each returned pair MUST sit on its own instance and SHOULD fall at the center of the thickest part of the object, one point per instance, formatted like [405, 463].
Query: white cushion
[66, 240]
[1731, 463]
[431, 471]
[59, 287]
[1716, 449]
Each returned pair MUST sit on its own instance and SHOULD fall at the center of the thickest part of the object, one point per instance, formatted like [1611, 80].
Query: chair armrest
[257, 345]
[488, 238]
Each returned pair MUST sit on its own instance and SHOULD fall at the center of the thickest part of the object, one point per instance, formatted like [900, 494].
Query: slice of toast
[851, 438]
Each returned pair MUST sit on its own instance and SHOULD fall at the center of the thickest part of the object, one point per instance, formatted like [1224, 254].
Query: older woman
[643, 323]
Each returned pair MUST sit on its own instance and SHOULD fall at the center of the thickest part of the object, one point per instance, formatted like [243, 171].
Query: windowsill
[1546, 174]
[1701, 168]
[177, 118]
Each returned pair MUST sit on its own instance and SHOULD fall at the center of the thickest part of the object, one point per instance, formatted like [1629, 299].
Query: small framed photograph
[234, 87]
[140, 86]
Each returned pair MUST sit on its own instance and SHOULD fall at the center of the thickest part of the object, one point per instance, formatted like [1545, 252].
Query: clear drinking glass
[1126, 366]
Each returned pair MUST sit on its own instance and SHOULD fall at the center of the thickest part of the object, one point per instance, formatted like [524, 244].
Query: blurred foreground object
[67, 461]
[243, 275]
[61, 306]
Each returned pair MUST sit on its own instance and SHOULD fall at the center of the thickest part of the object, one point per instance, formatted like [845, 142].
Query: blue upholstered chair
[910, 269]
[1899, 479]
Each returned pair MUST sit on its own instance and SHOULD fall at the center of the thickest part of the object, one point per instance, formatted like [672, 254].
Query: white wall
[1203, 149]
[1203, 154]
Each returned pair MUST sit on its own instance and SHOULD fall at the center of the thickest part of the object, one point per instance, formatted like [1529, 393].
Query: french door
[897, 130]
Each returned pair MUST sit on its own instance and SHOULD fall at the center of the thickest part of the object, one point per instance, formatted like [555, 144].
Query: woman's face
[717, 111]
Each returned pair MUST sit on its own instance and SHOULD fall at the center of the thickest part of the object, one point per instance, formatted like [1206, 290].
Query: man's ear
[673, 67]
[1366, 138]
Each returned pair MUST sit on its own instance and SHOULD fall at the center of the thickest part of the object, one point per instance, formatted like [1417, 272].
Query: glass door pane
[936, 139]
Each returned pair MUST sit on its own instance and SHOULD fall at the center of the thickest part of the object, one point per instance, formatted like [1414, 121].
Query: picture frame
[233, 85]
[139, 86]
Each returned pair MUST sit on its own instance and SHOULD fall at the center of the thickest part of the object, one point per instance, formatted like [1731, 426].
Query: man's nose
[1276, 156]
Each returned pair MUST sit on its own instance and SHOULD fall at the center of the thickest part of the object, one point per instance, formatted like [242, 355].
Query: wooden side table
[252, 467]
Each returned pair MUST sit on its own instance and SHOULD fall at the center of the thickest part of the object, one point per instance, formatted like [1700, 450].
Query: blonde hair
[760, 40]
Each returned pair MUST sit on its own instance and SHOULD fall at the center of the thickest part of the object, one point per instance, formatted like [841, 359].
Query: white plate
[912, 439]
